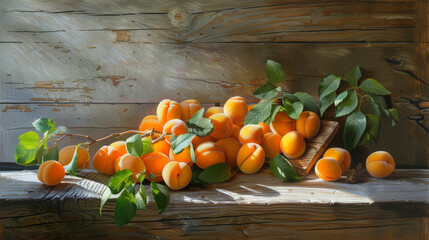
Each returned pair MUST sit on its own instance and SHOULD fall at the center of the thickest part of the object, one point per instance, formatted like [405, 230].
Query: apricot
[236, 109]
[222, 125]
[184, 156]
[51, 173]
[265, 127]
[231, 146]
[177, 175]
[341, 155]
[251, 133]
[104, 160]
[235, 131]
[209, 153]
[149, 122]
[328, 169]
[168, 109]
[196, 141]
[66, 155]
[380, 164]
[293, 145]
[282, 124]
[308, 124]
[120, 146]
[175, 127]
[213, 110]
[271, 144]
[154, 163]
[131, 162]
[189, 108]
[162, 147]
[250, 158]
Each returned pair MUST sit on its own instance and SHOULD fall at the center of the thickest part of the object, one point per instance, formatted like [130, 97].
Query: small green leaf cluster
[138, 146]
[361, 126]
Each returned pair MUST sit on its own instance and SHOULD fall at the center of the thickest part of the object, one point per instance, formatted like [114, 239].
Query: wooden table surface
[257, 206]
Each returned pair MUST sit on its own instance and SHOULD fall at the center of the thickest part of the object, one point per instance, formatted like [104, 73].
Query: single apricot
[308, 124]
[189, 108]
[51, 173]
[282, 124]
[235, 131]
[131, 162]
[120, 146]
[177, 175]
[328, 169]
[231, 146]
[213, 110]
[162, 146]
[271, 144]
[196, 141]
[154, 163]
[175, 127]
[149, 122]
[168, 109]
[209, 153]
[341, 155]
[104, 160]
[264, 127]
[183, 156]
[250, 158]
[251, 133]
[250, 107]
[380, 164]
[66, 155]
[222, 125]
[293, 145]
[236, 109]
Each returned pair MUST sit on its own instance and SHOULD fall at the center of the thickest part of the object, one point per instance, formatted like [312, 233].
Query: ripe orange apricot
[236, 109]
[213, 110]
[264, 127]
[341, 155]
[308, 124]
[231, 146]
[235, 131]
[196, 141]
[51, 173]
[66, 155]
[282, 124]
[328, 169]
[271, 144]
[175, 127]
[162, 146]
[209, 153]
[168, 109]
[149, 122]
[380, 164]
[177, 175]
[131, 162]
[251, 133]
[120, 146]
[184, 156]
[154, 163]
[222, 125]
[104, 160]
[250, 158]
[189, 108]
[293, 145]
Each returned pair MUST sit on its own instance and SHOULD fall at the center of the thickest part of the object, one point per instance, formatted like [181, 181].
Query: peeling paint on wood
[122, 36]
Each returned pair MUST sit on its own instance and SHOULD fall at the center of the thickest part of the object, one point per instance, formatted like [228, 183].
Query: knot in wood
[179, 17]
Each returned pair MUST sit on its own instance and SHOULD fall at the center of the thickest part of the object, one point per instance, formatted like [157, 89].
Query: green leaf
[267, 91]
[373, 126]
[304, 98]
[60, 130]
[198, 114]
[216, 173]
[134, 145]
[25, 156]
[181, 142]
[283, 170]
[147, 146]
[51, 154]
[379, 100]
[71, 167]
[326, 102]
[161, 195]
[39, 154]
[44, 124]
[120, 180]
[275, 108]
[125, 208]
[198, 125]
[275, 72]
[192, 152]
[341, 97]
[29, 140]
[195, 173]
[329, 85]
[106, 195]
[294, 109]
[141, 196]
[258, 113]
[349, 104]
[393, 113]
[353, 129]
[354, 76]
[374, 105]
[373, 86]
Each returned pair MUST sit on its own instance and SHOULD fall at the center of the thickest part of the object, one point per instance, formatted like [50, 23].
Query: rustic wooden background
[100, 66]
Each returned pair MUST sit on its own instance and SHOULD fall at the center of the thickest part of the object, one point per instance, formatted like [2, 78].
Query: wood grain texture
[256, 206]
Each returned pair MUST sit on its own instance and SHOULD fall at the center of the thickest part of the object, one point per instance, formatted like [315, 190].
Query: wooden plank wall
[100, 66]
